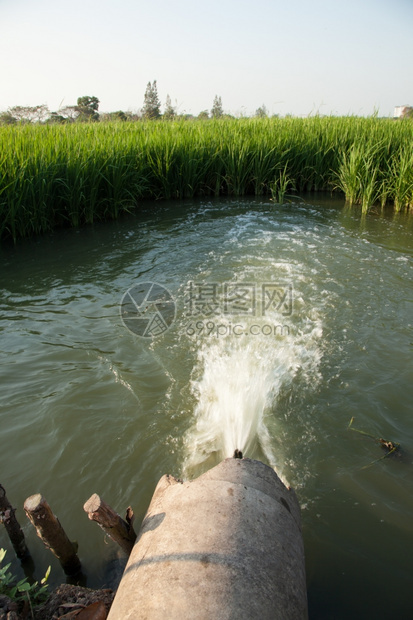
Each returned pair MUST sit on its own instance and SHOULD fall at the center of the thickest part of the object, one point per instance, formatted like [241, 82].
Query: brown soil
[72, 600]
[66, 602]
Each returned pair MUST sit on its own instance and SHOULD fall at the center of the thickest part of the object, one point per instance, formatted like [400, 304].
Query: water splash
[236, 384]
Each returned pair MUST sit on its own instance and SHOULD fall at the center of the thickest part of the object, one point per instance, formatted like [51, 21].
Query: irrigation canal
[268, 329]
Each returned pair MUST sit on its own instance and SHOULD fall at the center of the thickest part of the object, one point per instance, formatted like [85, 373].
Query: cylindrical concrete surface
[226, 545]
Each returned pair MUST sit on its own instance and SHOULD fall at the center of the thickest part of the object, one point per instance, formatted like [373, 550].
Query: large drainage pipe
[226, 545]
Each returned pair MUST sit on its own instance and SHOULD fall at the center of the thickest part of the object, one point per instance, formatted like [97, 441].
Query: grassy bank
[73, 174]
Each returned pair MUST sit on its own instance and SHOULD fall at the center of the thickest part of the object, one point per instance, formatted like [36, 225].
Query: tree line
[87, 110]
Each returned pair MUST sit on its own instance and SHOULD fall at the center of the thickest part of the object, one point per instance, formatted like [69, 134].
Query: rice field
[69, 175]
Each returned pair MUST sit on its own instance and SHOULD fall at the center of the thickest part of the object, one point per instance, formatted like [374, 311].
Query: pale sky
[296, 57]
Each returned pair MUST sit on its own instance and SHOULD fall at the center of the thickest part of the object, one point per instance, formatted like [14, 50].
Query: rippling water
[290, 320]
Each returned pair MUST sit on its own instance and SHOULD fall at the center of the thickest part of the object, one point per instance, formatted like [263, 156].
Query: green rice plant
[121, 189]
[10, 208]
[191, 171]
[349, 173]
[370, 189]
[402, 179]
[162, 165]
[75, 174]
[280, 185]
[192, 160]
[372, 174]
[359, 175]
[237, 167]
[264, 162]
[72, 191]
[213, 181]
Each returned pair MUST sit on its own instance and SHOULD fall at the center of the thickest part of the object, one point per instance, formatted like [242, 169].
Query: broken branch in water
[390, 446]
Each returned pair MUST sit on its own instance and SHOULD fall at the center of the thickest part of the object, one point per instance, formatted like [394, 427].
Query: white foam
[236, 384]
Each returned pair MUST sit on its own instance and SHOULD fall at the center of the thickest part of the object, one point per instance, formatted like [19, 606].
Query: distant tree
[261, 112]
[19, 113]
[29, 114]
[92, 103]
[204, 115]
[56, 118]
[6, 118]
[217, 110]
[151, 104]
[70, 113]
[134, 116]
[170, 111]
[119, 115]
[88, 108]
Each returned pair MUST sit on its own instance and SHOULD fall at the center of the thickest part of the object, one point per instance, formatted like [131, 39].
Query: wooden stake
[48, 528]
[119, 530]
[7, 516]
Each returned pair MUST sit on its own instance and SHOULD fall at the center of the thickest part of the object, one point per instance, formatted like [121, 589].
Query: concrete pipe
[226, 545]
